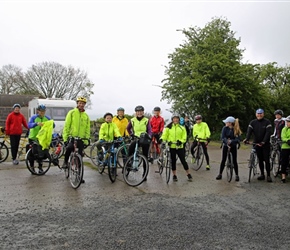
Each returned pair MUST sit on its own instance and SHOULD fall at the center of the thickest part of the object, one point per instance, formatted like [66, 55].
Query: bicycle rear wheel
[112, 169]
[199, 156]
[251, 166]
[122, 155]
[136, 170]
[4, 152]
[230, 167]
[161, 161]
[94, 154]
[168, 167]
[76, 170]
[42, 165]
[275, 163]
[187, 149]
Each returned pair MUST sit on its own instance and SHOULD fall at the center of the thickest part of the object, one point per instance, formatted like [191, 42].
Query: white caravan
[56, 109]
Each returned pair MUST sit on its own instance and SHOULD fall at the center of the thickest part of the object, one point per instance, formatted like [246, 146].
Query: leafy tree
[205, 76]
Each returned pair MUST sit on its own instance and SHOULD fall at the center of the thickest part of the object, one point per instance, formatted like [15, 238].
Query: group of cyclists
[176, 134]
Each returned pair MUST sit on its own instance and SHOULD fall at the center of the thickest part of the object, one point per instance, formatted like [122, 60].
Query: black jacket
[261, 129]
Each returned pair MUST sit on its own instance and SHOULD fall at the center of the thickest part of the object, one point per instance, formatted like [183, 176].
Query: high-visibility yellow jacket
[121, 124]
[201, 130]
[108, 131]
[44, 135]
[285, 136]
[173, 133]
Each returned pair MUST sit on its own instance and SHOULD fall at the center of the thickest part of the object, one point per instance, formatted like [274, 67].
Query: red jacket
[14, 123]
[157, 124]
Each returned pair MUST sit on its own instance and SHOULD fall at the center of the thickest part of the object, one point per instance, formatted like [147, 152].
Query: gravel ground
[44, 212]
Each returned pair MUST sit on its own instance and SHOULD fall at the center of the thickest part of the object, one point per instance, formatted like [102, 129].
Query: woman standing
[285, 151]
[13, 128]
[175, 134]
[230, 138]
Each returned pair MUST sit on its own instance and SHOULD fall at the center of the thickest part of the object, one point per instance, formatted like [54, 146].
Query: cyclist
[261, 128]
[108, 132]
[77, 124]
[184, 121]
[136, 126]
[279, 123]
[157, 126]
[285, 152]
[174, 132]
[121, 121]
[35, 123]
[13, 128]
[230, 137]
[200, 130]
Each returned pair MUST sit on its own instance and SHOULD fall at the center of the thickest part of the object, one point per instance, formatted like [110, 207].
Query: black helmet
[279, 112]
[120, 109]
[105, 115]
[198, 117]
[175, 115]
[157, 109]
[139, 108]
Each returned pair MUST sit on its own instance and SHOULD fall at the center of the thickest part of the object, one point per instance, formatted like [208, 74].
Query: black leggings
[70, 148]
[285, 153]
[234, 151]
[181, 154]
[194, 144]
[14, 141]
[263, 156]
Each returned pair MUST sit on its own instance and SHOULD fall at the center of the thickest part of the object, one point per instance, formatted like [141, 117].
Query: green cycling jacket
[139, 127]
[285, 136]
[174, 133]
[77, 124]
[108, 131]
[201, 130]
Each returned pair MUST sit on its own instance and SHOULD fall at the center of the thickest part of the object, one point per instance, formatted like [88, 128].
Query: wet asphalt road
[44, 212]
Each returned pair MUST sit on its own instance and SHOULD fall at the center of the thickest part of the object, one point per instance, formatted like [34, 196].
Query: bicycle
[229, 164]
[75, 169]
[199, 154]
[155, 149]
[108, 157]
[133, 174]
[4, 149]
[123, 152]
[252, 161]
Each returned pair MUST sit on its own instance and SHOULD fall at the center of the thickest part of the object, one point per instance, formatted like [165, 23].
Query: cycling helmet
[105, 115]
[229, 119]
[139, 108]
[288, 118]
[175, 115]
[120, 109]
[260, 111]
[81, 99]
[198, 117]
[279, 112]
[157, 109]
[16, 105]
[41, 107]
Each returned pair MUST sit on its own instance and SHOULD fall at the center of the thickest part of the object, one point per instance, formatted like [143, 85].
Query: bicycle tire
[168, 167]
[122, 155]
[275, 163]
[187, 149]
[53, 149]
[230, 167]
[76, 170]
[134, 174]
[251, 166]
[199, 157]
[4, 152]
[30, 163]
[112, 169]
[94, 154]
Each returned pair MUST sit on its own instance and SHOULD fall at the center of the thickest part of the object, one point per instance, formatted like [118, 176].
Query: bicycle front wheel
[76, 170]
[230, 167]
[136, 170]
[168, 167]
[251, 166]
[94, 154]
[4, 152]
[275, 163]
[112, 169]
[199, 156]
[122, 155]
[37, 166]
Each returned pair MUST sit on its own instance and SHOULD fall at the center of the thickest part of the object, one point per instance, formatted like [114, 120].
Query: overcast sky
[123, 45]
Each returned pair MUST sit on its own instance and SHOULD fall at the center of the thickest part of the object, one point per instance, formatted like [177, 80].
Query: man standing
[13, 128]
[77, 124]
[261, 128]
